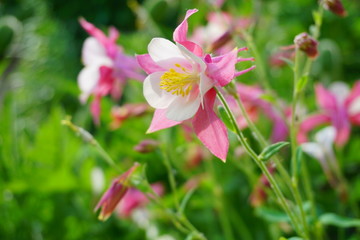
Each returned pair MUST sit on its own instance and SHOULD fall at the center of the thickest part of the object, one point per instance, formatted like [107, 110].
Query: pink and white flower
[106, 69]
[339, 107]
[180, 86]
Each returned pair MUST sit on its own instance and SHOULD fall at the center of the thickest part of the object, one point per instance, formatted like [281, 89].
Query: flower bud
[115, 193]
[146, 146]
[334, 6]
[307, 44]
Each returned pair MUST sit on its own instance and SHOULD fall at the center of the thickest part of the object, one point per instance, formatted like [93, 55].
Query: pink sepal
[160, 121]
[222, 69]
[181, 31]
[146, 63]
[210, 129]
[325, 98]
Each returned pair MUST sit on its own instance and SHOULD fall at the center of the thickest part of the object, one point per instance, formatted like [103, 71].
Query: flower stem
[274, 185]
[293, 133]
[87, 137]
[171, 177]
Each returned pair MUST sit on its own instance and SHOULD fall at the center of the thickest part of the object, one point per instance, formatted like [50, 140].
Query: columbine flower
[180, 86]
[106, 67]
[134, 199]
[307, 44]
[251, 99]
[339, 106]
[334, 6]
[114, 194]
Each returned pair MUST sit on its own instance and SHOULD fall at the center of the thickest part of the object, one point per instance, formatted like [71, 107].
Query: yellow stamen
[178, 83]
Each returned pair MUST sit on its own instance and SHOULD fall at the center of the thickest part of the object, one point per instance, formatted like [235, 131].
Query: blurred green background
[45, 170]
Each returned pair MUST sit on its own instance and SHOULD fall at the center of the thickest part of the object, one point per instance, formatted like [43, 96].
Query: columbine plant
[181, 85]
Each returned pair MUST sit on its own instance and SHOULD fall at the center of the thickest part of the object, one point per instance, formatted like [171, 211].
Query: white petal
[161, 50]
[340, 90]
[88, 79]
[354, 107]
[205, 82]
[156, 97]
[93, 53]
[314, 150]
[181, 109]
[326, 137]
[198, 64]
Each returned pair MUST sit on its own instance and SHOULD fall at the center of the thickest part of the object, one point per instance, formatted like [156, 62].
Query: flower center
[178, 83]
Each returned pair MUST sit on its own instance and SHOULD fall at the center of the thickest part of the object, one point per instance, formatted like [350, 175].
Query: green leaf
[225, 118]
[302, 83]
[298, 158]
[269, 151]
[272, 215]
[339, 221]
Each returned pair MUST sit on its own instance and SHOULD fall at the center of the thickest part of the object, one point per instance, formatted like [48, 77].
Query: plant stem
[293, 133]
[283, 202]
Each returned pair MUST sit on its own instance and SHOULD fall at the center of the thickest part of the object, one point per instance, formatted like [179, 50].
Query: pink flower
[217, 34]
[180, 86]
[114, 194]
[339, 107]
[134, 199]
[106, 67]
[251, 99]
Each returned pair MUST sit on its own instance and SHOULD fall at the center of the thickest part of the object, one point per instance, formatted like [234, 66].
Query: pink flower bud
[307, 44]
[334, 6]
[146, 146]
[114, 194]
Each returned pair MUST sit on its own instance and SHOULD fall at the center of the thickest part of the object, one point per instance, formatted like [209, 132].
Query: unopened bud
[307, 44]
[146, 146]
[334, 6]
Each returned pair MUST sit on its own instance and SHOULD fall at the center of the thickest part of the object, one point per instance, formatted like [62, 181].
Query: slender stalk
[171, 177]
[87, 137]
[283, 202]
[293, 133]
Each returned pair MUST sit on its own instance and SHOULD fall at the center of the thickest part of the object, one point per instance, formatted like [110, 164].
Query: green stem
[171, 177]
[220, 204]
[87, 137]
[283, 202]
[293, 133]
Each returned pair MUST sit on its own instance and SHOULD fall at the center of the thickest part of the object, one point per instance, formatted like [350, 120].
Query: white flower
[93, 56]
[182, 84]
